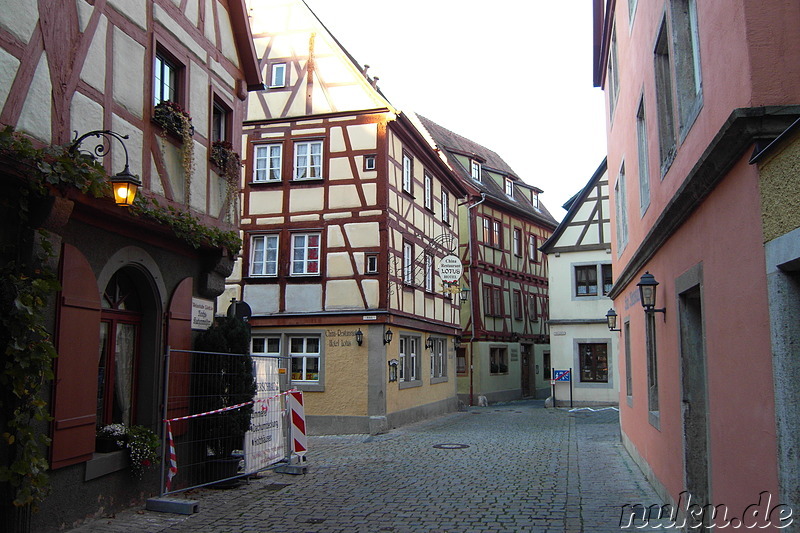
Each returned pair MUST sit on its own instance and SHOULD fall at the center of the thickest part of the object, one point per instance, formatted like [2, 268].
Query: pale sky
[512, 75]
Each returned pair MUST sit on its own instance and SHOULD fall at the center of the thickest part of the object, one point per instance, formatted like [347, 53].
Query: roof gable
[586, 225]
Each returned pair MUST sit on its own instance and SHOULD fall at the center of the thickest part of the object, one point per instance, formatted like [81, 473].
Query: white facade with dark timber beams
[579, 256]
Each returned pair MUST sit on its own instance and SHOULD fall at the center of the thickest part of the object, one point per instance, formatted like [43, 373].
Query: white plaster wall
[87, 115]
[343, 294]
[192, 12]
[371, 291]
[263, 299]
[8, 71]
[343, 197]
[36, 111]
[166, 20]
[370, 194]
[303, 298]
[20, 20]
[198, 182]
[208, 28]
[335, 237]
[134, 10]
[133, 144]
[199, 101]
[363, 136]
[304, 200]
[129, 73]
[94, 68]
[336, 140]
[563, 305]
[563, 356]
[363, 234]
[226, 35]
[339, 265]
[339, 168]
[155, 180]
[266, 202]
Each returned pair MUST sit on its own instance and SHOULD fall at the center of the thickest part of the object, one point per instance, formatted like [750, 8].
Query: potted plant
[223, 378]
[144, 449]
[110, 438]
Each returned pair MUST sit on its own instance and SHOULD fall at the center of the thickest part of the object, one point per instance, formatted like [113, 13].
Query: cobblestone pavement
[523, 468]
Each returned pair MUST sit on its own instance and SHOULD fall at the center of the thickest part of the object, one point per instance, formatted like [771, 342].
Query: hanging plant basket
[173, 119]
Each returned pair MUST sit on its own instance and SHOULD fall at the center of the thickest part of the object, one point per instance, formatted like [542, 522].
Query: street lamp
[125, 184]
[611, 319]
[359, 337]
[387, 337]
[464, 294]
[647, 292]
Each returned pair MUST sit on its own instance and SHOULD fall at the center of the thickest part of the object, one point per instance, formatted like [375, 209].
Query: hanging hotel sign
[202, 313]
[450, 268]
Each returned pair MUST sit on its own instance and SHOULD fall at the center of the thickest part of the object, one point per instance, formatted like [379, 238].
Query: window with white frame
[428, 198]
[438, 357]
[408, 173]
[369, 162]
[409, 358]
[268, 162]
[593, 280]
[307, 160]
[305, 354]
[509, 188]
[612, 75]
[594, 362]
[305, 254]
[278, 77]
[408, 263]
[476, 170]
[371, 261]
[497, 234]
[428, 272]
[535, 200]
[264, 255]
[445, 207]
[166, 79]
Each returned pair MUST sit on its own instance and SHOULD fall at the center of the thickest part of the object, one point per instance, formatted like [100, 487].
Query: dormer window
[278, 77]
[476, 170]
[509, 188]
[535, 200]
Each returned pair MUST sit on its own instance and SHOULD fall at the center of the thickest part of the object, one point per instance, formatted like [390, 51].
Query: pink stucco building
[693, 91]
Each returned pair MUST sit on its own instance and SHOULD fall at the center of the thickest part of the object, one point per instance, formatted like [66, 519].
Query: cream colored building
[346, 213]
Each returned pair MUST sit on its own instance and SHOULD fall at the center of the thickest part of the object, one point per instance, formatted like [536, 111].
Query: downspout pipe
[475, 302]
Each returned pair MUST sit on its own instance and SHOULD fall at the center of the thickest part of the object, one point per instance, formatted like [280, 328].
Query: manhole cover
[451, 446]
[315, 520]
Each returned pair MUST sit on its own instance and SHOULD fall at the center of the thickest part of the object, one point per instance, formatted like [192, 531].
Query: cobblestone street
[511, 467]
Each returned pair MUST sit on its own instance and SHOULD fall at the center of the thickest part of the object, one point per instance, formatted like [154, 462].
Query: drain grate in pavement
[315, 520]
[448, 446]
[274, 487]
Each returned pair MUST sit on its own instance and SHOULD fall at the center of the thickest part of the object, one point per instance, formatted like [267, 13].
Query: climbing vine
[186, 226]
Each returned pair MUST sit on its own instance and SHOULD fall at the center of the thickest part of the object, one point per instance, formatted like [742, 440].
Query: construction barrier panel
[205, 418]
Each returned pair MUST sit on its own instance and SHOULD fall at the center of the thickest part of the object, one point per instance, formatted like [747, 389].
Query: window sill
[443, 379]
[106, 463]
[261, 183]
[409, 384]
[654, 417]
[307, 180]
[308, 387]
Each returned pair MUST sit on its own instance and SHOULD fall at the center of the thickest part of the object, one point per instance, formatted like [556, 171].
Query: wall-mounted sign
[202, 313]
[450, 268]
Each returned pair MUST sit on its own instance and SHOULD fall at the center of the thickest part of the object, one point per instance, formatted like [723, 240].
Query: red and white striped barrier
[298, 418]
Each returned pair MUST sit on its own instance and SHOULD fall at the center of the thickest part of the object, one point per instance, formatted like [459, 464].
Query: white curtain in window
[123, 364]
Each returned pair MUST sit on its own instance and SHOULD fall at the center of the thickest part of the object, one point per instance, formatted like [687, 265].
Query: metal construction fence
[225, 418]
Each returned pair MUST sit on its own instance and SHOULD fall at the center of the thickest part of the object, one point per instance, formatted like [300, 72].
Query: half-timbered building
[169, 80]
[580, 275]
[346, 213]
[505, 342]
